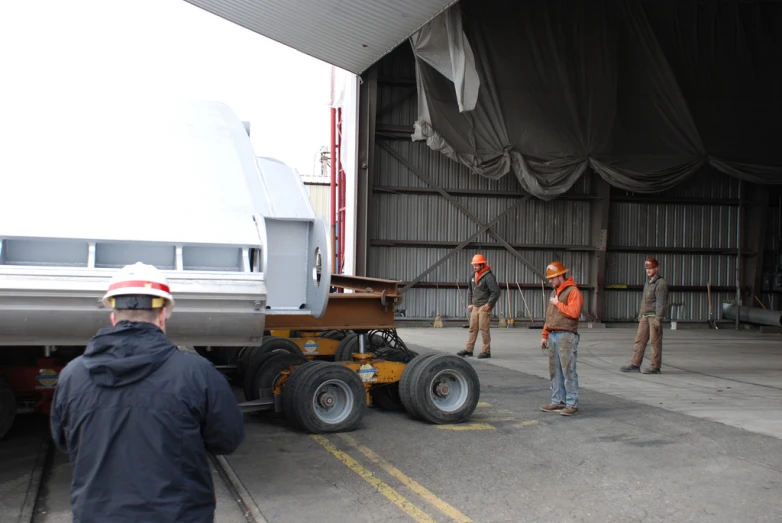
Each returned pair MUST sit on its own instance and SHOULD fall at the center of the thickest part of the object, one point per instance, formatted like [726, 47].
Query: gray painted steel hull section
[56, 306]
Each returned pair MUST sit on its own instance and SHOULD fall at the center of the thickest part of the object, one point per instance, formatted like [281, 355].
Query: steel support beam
[754, 234]
[482, 245]
[599, 212]
[367, 120]
[478, 193]
[401, 159]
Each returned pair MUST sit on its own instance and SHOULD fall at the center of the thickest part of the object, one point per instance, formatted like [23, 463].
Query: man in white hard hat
[138, 417]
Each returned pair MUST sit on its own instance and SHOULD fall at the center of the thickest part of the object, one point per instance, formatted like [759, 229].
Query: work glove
[543, 343]
[656, 323]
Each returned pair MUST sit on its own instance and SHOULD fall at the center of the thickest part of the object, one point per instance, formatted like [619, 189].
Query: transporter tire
[274, 364]
[346, 348]
[242, 360]
[260, 355]
[298, 374]
[441, 389]
[375, 344]
[386, 397]
[327, 398]
[334, 334]
[405, 389]
[7, 407]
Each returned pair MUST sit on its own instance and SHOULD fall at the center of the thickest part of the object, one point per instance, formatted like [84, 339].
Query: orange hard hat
[650, 263]
[478, 259]
[555, 269]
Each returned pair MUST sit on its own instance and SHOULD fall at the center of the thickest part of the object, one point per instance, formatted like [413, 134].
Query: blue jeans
[562, 352]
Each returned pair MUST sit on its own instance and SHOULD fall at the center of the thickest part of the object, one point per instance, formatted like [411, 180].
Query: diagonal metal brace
[481, 230]
[462, 208]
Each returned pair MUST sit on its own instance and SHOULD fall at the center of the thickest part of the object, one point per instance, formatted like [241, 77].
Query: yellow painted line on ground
[483, 404]
[495, 420]
[416, 487]
[395, 497]
[527, 423]
[466, 426]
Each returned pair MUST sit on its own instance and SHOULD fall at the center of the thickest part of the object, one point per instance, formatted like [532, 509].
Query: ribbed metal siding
[351, 34]
[694, 306]
[652, 226]
[433, 218]
[428, 303]
[320, 196]
[405, 263]
[672, 225]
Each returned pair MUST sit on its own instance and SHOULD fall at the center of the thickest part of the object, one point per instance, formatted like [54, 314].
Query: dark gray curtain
[644, 92]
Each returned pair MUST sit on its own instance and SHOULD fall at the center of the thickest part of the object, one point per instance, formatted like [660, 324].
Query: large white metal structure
[88, 189]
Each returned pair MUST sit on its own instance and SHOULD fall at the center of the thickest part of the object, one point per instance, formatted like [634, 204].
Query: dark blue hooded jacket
[137, 418]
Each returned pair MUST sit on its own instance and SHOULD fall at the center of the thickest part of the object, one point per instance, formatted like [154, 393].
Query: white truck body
[85, 190]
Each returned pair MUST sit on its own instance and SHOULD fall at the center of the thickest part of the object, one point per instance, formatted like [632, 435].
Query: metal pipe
[753, 314]
[362, 344]
[333, 198]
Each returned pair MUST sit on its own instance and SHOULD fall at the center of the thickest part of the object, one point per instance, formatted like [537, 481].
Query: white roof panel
[351, 34]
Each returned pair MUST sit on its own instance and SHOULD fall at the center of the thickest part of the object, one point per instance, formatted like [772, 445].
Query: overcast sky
[140, 48]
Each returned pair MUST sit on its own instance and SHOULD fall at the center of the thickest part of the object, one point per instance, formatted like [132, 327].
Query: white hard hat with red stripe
[140, 279]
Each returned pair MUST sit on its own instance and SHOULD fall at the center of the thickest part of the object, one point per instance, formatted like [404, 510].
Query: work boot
[464, 353]
[630, 368]
[569, 411]
[649, 370]
[554, 407]
[483, 355]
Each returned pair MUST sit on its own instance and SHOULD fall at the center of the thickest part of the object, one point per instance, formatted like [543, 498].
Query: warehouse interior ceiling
[646, 93]
[351, 34]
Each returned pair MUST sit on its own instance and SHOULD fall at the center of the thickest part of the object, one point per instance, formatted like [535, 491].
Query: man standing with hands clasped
[560, 338]
[483, 293]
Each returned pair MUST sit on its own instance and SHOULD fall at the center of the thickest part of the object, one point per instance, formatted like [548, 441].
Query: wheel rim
[448, 391]
[332, 402]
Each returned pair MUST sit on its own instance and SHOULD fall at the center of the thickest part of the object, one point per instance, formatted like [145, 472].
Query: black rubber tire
[346, 348]
[275, 363]
[386, 397]
[349, 345]
[219, 355]
[405, 383]
[307, 415]
[298, 374]
[260, 355]
[334, 335]
[242, 360]
[7, 407]
[417, 396]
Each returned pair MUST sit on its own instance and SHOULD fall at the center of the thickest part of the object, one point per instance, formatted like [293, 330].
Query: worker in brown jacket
[483, 293]
[654, 306]
[560, 339]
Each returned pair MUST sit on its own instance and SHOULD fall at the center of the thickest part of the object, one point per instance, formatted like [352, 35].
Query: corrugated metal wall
[690, 229]
[684, 237]
[320, 195]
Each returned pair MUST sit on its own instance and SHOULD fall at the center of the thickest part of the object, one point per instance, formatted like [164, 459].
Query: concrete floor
[18, 452]
[726, 376]
[701, 442]
[649, 448]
